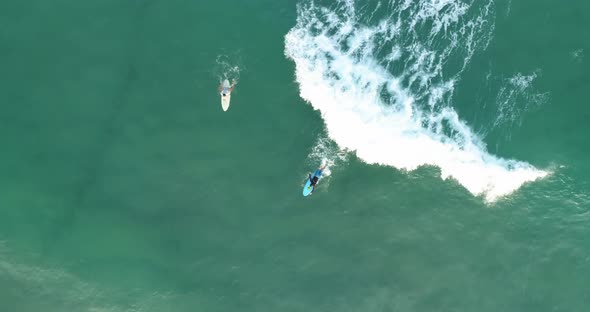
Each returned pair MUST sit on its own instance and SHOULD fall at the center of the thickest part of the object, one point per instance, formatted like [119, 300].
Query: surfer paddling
[316, 176]
[225, 88]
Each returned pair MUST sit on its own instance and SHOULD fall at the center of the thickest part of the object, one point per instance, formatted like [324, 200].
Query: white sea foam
[515, 98]
[578, 55]
[228, 67]
[327, 154]
[384, 87]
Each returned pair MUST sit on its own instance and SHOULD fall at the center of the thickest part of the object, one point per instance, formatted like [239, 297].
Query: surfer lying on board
[225, 88]
[314, 180]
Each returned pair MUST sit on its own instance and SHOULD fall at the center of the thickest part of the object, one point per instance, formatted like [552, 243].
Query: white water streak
[345, 68]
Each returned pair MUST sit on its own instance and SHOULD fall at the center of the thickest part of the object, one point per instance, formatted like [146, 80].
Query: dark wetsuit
[313, 181]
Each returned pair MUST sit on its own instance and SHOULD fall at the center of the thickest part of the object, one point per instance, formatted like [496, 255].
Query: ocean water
[455, 134]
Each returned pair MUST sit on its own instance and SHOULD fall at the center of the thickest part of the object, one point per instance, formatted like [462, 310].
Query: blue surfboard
[308, 189]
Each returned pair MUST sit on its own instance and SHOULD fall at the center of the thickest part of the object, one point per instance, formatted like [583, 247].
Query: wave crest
[383, 78]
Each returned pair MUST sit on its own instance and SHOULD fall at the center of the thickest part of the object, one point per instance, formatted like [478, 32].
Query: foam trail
[227, 67]
[384, 86]
[515, 98]
[327, 153]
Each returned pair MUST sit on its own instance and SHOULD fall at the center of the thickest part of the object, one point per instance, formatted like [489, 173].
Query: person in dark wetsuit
[225, 88]
[312, 183]
[314, 180]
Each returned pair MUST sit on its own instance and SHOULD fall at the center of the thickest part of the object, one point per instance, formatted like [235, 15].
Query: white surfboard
[227, 97]
[225, 101]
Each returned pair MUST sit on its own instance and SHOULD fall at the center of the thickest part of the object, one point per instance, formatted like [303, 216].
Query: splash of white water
[384, 88]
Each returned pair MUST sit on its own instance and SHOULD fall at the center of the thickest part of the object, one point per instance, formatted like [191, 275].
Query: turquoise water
[455, 134]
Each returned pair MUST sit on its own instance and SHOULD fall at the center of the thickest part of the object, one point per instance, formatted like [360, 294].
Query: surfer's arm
[233, 84]
[220, 88]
